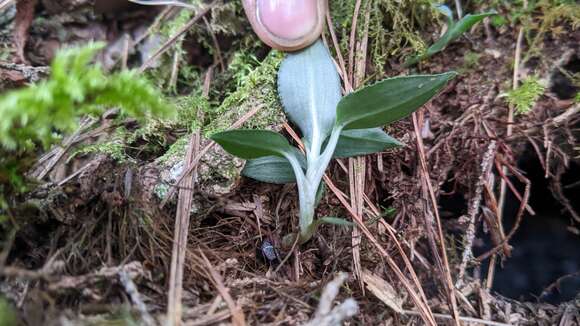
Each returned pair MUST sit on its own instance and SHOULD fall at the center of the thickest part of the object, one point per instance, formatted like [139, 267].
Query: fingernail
[288, 19]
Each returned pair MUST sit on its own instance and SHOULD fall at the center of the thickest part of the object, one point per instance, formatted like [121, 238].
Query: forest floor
[95, 237]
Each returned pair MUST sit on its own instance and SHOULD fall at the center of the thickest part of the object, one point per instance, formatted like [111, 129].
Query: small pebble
[270, 252]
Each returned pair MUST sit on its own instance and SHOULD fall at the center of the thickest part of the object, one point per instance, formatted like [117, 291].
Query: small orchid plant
[331, 126]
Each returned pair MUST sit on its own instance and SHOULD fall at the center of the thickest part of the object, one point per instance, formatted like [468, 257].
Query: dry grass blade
[351, 53]
[510, 126]
[418, 300]
[181, 231]
[417, 294]
[210, 319]
[357, 166]
[443, 262]
[469, 320]
[238, 318]
[459, 9]
[356, 175]
[523, 204]
[56, 154]
[341, 63]
[184, 204]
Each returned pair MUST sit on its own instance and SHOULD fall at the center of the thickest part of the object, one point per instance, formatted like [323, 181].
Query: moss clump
[175, 151]
[393, 27]
[256, 88]
[524, 97]
[254, 85]
[37, 116]
[115, 147]
[31, 115]
[470, 61]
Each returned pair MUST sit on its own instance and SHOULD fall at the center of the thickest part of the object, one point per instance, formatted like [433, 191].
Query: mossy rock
[218, 171]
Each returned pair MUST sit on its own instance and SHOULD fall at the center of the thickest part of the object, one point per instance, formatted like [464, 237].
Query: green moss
[114, 148]
[256, 88]
[75, 88]
[524, 97]
[470, 61]
[546, 17]
[37, 116]
[394, 26]
[176, 152]
[7, 314]
[228, 18]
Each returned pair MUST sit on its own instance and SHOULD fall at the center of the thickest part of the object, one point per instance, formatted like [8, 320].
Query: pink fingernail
[288, 19]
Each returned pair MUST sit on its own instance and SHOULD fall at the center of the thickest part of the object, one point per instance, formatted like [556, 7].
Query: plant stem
[319, 168]
[308, 186]
[305, 198]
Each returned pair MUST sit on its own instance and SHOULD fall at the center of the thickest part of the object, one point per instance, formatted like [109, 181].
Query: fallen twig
[443, 262]
[326, 315]
[474, 205]
[32, 74]
[133, 293]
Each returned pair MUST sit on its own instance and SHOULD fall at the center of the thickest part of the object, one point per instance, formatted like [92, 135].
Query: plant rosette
[331, 126]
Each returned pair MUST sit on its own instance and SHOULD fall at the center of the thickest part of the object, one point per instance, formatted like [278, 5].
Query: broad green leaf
[454, 31]
[251, 144]
[309, 87]
[275, 169]
[272, 169]
[388, 100]
[357, 142]
[465, 23]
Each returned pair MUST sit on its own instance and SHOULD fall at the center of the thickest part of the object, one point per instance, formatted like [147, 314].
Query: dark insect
[270, 252]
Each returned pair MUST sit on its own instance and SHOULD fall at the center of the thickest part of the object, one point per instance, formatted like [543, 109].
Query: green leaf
[465, 23]
[333, 221]
[454, 31]
[252, 144]
[305, 236]
[357, 142]
[309, 87]
[275, 169]
[272, 169]
[389, 100]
